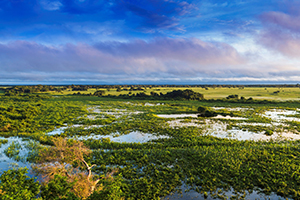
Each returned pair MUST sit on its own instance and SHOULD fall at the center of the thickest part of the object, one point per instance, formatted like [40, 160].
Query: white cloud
[51, 5]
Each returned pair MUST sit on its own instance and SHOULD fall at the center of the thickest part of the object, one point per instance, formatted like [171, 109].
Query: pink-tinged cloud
[282, 20]
[189, 50]
[287, 44]
[164, 55]
[281, 33]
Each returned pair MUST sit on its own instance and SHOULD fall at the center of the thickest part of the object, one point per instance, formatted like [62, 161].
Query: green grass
[211, 93]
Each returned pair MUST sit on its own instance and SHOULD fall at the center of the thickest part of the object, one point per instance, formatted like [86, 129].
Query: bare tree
[61, 158]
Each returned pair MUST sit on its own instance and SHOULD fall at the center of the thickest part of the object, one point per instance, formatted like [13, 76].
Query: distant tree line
[16, 90]
[98, 93]
[45, 88]
[174, 95]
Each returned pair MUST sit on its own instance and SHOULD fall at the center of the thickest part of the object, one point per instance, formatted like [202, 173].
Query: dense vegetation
[180, 157]
[174, 95]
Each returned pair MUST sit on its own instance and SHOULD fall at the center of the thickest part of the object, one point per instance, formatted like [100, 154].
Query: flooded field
[219, 126]
[168, 147]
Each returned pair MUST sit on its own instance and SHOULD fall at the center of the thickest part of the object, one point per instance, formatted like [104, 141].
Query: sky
[149, 41]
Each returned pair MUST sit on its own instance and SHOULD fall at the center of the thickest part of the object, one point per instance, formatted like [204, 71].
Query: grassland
[284, 94]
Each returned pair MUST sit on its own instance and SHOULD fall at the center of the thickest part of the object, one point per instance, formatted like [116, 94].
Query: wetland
[162, 148]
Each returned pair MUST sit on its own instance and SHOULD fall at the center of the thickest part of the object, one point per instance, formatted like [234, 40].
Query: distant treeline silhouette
[15, 90]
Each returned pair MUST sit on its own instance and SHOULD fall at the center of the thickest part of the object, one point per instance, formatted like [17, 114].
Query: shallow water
[219, 129]
[196, 116]
[151, 104]
[229, 117]
[61, 130]
[232, 109]
[281, 115]
[261, 124]
[177, 115]
[197, 196]
[115, 112]
[179, 123]
[132, 137]
[57, 131]
[6, 162]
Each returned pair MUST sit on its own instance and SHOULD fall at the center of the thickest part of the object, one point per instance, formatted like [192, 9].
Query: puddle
[279, 115]
[91, 117]
[132, 137]
[179, 123]
[151, 104]
[57, 131]
[261, 124]
[232, 109]
[115, 112]
[177, 115]
[61, 130]
[5, 162]
[98, 110]
[228, 117]
[249, 135]
[196, 116]
[219, 129]
[197, 196]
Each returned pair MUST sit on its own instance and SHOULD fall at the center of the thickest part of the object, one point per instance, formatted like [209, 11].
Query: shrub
[15, 185]
[268, 132]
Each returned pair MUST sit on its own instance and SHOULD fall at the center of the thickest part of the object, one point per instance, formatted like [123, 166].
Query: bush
[58, 188]
[184, 94]
[269, 132]
[99, 93]
[206, 112]
[15, 185]
[111, 190]
[202, 109]
[233, 96]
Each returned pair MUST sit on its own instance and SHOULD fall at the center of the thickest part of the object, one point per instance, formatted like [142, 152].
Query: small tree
[67, 159]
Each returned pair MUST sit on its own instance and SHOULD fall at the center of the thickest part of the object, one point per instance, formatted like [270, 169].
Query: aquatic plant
[13, 151]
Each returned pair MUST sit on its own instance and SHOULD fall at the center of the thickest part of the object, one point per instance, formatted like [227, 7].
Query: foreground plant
[16, 185]
[65, 162]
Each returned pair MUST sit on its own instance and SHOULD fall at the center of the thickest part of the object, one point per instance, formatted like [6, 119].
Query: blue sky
[149, 41]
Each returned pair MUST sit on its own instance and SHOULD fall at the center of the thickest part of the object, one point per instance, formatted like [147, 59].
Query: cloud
[281, 20]
[280, 41]
[161, 60]
[163, 57]
[281, 33]
[51, 5]
[155, 14]
[188, 50]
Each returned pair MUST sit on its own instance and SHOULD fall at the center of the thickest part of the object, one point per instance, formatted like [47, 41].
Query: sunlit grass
[209, 93]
